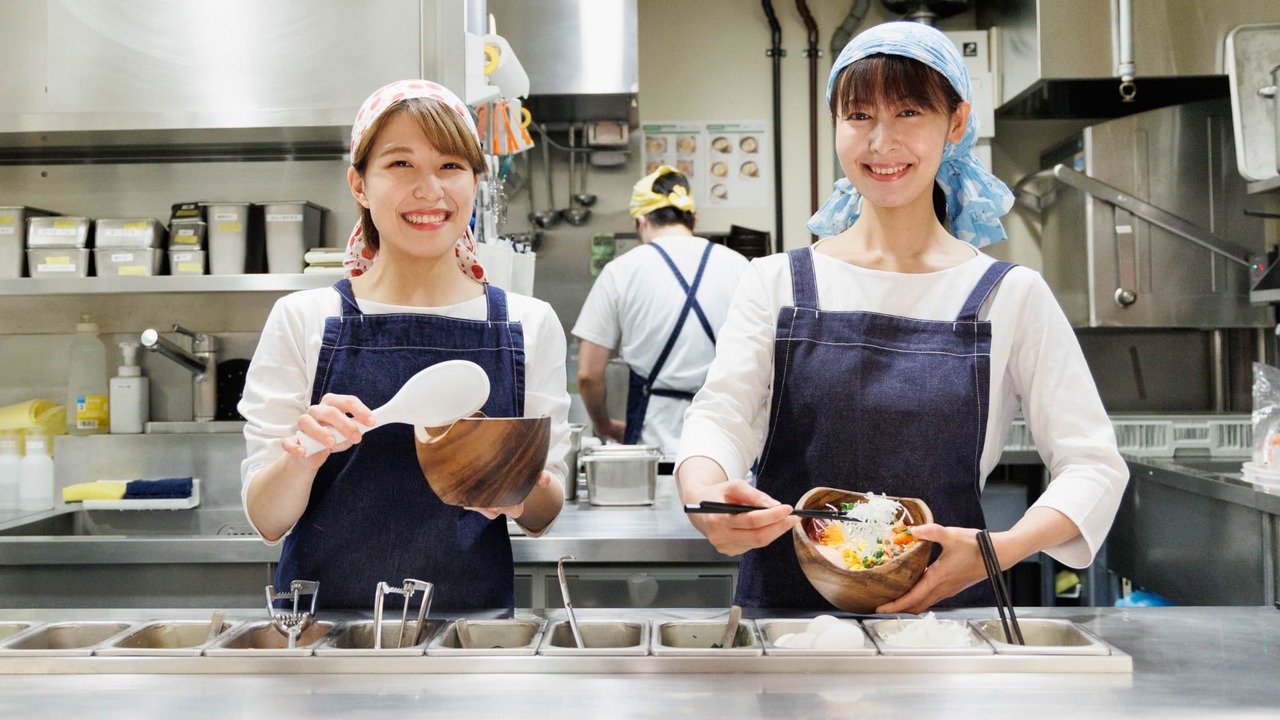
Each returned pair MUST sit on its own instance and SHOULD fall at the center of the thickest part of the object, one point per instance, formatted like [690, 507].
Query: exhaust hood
[1065, 58]
[581, 57]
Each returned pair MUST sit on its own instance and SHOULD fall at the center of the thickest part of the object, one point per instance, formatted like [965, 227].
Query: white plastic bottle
[130, 394]
[35, 476]
[10, 458]
[88, 412]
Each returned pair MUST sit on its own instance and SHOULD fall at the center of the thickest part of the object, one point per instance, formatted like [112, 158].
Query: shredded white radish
[927, 632]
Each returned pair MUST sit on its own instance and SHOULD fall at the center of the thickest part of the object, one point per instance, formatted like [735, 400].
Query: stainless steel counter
[1187, 663]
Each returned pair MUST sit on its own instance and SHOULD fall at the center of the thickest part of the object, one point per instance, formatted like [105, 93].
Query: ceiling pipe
[777, 53]
[812, 53]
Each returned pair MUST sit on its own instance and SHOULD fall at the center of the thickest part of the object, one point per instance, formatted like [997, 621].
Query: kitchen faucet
[202, 361]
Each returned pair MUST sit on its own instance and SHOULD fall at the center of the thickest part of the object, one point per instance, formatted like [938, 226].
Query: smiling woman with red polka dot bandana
[359, 512]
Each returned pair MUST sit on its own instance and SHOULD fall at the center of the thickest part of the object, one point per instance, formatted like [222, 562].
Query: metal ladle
[551, 216]
[583, 197]
[568, 606]
[576, 214]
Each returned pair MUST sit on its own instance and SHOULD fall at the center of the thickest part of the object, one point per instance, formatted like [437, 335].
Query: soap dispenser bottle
[87, 395]
[130, 394]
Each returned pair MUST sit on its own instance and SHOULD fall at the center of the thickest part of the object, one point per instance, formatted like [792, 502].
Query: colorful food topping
[874, 532]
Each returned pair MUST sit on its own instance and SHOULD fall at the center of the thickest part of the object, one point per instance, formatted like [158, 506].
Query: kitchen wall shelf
[164, 284]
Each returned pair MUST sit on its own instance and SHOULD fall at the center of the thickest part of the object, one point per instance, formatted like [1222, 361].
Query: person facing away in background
[360, 512]
[659, 308]
[891, 356]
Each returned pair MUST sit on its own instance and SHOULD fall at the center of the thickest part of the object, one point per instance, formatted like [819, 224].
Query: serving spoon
[435, 397]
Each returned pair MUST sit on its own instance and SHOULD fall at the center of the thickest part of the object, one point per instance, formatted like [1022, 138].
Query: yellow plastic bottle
[88, 412]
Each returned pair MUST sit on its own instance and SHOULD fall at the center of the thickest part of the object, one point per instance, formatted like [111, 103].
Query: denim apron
[372, 516]
[870, 402]
[640, 388]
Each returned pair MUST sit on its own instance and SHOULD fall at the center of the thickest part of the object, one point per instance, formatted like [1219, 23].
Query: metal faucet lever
[202, 362]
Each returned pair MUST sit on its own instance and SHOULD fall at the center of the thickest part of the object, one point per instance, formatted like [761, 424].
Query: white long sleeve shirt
[1036, 364]
[277, 390]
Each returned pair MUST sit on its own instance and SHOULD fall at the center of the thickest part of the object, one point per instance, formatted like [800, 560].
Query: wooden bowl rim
[419, 430]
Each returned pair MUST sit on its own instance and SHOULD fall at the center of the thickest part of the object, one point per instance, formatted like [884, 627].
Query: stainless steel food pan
[292, 228]
[601, 637]
[164, 638]
[58, 262]
[262, 639]
[117, 262]
[771, 630]
[490, 637]
[1043, 637]
[135, 233]
[356, 638]
[58, 231]
[187, 262]
[188, 234]
[10, 629]
[13, 238]
[878, 629]
[64, 638]
[621, 474]
[698, 638]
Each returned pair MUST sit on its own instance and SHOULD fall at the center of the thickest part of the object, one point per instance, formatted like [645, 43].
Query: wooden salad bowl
[860, 591]
[484, 462]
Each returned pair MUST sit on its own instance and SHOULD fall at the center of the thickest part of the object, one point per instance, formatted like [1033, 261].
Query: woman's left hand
[959, 566]
[512, 511]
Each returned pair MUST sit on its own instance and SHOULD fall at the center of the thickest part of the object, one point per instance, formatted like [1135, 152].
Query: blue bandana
[976, 199]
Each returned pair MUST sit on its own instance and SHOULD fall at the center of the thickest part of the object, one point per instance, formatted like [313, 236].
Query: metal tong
[1003, 602]
[709, 506]
[407, 590]
[568, 606]
[292, 624]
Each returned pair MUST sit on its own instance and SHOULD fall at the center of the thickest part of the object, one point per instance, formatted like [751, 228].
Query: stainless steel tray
[163, 638]
[356, 638]
[490, 638]
[771, 630]
[1043, 637]
[262, 639]
[64, 638]
[602, 637]
[12, 629]
[685, 638]
[875, 628]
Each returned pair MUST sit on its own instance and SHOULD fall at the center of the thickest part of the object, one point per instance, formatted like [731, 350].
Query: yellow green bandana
[644, 200]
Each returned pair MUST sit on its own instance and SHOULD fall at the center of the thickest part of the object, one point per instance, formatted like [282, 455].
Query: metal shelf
[164, 284]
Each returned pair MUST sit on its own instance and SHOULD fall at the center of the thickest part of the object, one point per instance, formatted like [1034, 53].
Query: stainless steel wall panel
[570, 47]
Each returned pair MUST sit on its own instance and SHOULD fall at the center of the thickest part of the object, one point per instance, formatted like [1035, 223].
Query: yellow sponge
[101, 490]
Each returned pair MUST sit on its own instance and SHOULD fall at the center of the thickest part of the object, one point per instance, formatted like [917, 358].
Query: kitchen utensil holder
[292, 624]
[407, 590]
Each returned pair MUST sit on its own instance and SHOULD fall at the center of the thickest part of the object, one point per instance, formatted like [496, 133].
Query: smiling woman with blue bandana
[892, 355]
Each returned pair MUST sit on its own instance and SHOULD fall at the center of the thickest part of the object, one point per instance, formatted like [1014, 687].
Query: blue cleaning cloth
[166, 488]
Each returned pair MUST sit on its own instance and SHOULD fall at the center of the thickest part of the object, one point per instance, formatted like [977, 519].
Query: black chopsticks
[709, 506]
[1003, 602]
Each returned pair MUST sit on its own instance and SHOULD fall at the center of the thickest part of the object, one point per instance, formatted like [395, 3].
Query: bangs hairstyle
[895, 81]
[443, 128]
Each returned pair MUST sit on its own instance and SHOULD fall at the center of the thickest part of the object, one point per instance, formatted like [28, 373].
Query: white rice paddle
[435, 397]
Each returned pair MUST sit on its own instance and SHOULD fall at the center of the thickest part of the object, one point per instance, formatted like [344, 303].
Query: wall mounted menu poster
[727, 163]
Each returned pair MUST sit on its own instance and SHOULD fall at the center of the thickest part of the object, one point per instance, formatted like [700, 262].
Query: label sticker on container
[6, 229]
[226, 216]
[132, 270]
[285, 217]
[73, 224]
[57, 260]
[56, 230]
[183, 257]
[7, 219]
[125, 231]
[92, 412]
[190, 268]
[121, 257]
[230, 227]
[43, 267]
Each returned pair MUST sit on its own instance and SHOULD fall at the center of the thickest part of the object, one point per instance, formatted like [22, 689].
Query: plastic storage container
[88, 412]
[35, 476]
[13, 239]
[291, 229]
[10, 458]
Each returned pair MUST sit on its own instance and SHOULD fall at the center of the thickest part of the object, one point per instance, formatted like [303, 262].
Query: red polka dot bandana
[360, 256]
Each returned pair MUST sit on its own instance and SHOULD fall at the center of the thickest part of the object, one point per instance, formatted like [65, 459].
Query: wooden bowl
[485, 462]
[860, 591]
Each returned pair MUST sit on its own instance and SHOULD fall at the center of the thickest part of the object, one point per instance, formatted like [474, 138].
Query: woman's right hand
[736, 534]
[343, 413]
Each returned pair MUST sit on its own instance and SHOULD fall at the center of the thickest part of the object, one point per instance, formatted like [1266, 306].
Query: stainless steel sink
[98, 523]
